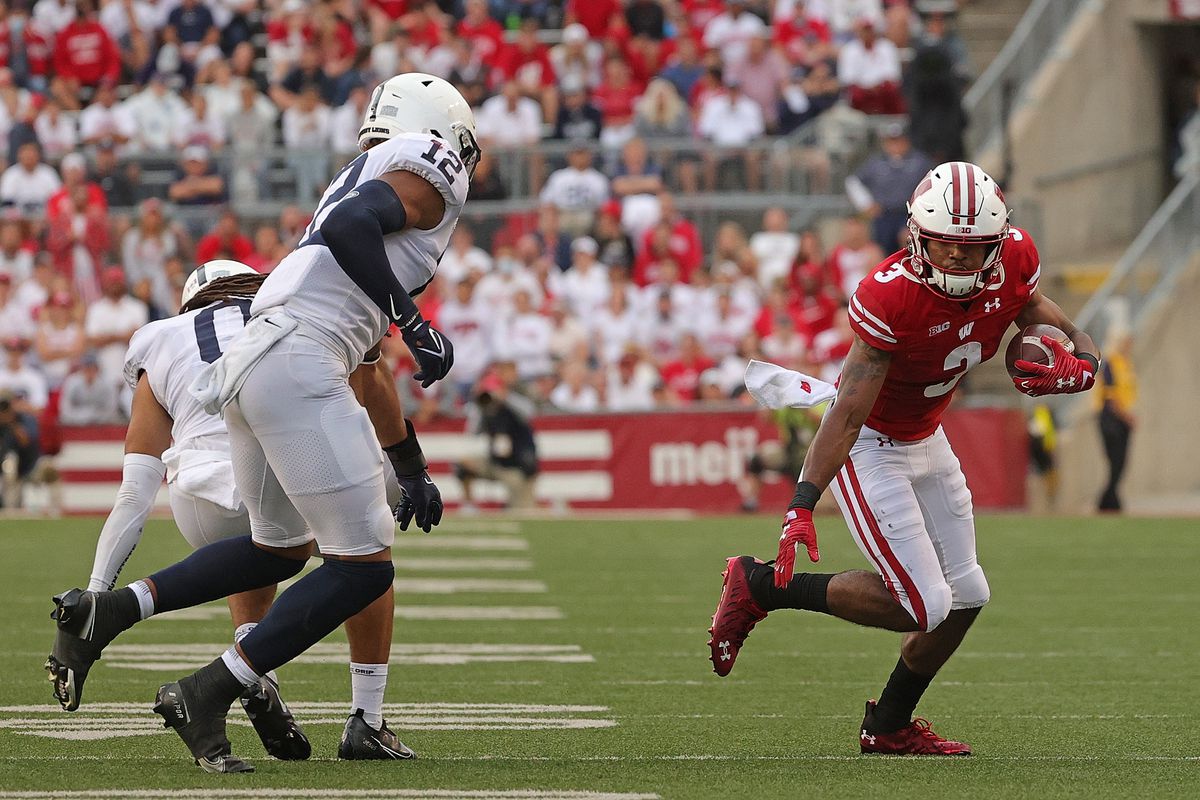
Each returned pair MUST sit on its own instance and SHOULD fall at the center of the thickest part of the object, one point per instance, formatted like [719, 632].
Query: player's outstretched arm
[354, 231]
[148, 436]
[862, 377]
[1070, 372]
[420, 498]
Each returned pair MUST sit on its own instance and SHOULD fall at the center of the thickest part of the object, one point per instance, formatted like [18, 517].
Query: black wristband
[1091, 359]
[406, 456]
[806, 496]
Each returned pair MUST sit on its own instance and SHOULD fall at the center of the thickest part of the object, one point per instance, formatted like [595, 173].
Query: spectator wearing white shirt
[121, 17]
[720, 330]
[306, 135]
[111, 322]
[577, 191]
[60, 340]
[784, 346]
[15, 260]
[18, 378]
[106, 120]
[200, 124]
[775, 247]
[574, 393]
[155, 112]
[509, 119]
[525, 338]
[629, 383]
[730, 32]
[463, 259]
[468, 323]
[498, 287]
[145, 249]
[344, 123]
[252, 126]
[29, 183]
[869, 66]
[57, 130]
[614, 328]
[659, 330]
[585, 286]
[844, 15]
[731, 121]
[53, 15]
[570, 339]
[15, 319]
[577, 58]
[88, 399]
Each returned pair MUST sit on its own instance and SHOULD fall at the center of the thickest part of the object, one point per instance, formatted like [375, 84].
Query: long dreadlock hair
[227, 288]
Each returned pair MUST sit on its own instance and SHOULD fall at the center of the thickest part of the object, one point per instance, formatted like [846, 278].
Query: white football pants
[908, 507]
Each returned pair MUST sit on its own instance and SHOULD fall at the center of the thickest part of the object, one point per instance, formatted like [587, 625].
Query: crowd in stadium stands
[610, 301]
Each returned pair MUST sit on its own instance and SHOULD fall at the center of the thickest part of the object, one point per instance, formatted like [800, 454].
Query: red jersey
[486, 39]
[933, 340]
[84, 51]
[594, 14]
[527, 68]
[37, 47]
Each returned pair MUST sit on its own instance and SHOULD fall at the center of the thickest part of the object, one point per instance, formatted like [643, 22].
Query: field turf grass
[1079, 679]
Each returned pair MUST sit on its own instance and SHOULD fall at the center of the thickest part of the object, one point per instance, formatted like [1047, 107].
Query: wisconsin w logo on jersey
[965, 330]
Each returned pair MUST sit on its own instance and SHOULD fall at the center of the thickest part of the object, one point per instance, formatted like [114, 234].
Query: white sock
[145, 598]
[243, 629]
[240, 669]
[367, 682]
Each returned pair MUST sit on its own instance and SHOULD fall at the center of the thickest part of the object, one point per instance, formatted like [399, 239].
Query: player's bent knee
[971, 590]
[364, 581]
[939, 600]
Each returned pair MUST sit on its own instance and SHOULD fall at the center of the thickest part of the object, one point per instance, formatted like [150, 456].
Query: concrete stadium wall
[1163, 475]
[1086, 142]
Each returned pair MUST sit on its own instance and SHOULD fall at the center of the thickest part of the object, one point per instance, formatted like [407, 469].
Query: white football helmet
[418, 103]
[208, 272]
[957, 202]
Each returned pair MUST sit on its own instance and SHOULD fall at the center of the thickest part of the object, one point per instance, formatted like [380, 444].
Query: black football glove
[432, 350]
[421, 500]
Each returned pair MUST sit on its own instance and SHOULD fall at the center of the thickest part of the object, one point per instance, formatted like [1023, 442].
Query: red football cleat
[736, 616]
[914, 739]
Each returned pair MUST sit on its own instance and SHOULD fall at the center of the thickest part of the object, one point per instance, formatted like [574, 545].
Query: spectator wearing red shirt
[615, 97]
[647, 57]
[700, 12]
[677, 236]
[34, 42]
[425, 26]
[803, 39]
[225, 240]
[382, 15]
[74, 173]
[813, 304]
[84, 53]
[77, 240]
[527, 61]
[594, 14]
[682, 375]
[484, 33]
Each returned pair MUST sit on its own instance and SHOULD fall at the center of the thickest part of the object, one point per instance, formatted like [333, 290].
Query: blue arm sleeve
[354, 233]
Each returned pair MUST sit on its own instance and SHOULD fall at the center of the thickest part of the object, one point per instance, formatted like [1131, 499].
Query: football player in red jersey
[921, 319]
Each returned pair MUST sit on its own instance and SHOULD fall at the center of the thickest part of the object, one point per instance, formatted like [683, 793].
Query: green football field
[567, 659]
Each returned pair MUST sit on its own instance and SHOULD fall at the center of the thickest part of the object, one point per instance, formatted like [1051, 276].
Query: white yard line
[473, 613]
[474, 585]
[455, 542]
[243, 794]
[456, 565]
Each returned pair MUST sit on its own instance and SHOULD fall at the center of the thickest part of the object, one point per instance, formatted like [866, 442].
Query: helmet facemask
[957, 203]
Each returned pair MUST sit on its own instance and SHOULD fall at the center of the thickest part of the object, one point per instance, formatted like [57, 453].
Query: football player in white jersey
[169, 432]
[305, 457]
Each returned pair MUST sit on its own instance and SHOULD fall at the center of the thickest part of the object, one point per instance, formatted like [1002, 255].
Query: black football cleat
[274, 723]
[200, 725]
[362, 742]
[86, 621]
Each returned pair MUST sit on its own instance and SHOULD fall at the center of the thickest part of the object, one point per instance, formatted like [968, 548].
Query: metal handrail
[1147, 272]
[1026, 50]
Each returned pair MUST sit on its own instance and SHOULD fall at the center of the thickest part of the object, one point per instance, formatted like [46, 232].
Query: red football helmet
[957, 202]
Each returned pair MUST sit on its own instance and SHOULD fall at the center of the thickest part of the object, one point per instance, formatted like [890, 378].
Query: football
[1027, 345]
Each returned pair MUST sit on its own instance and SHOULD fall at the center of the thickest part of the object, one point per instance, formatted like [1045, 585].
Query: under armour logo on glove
[1069, 373]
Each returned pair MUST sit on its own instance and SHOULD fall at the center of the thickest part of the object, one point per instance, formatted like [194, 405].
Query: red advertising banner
[1185, 9]
[690, 460]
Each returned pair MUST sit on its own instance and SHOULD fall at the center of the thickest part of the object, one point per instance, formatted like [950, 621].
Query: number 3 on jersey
[964, 357]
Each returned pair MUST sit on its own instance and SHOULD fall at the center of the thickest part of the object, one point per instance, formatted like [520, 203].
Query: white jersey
[172, 352]
[310, 285]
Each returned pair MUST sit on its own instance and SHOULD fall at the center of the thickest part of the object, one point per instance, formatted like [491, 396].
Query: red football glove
[798, 529]
[1068, 375]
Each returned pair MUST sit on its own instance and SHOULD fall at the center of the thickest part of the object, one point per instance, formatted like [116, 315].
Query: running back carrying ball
[1028, 345]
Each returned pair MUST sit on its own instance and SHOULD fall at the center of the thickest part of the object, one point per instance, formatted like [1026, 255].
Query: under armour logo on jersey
[885, 441]
[992, 305]
[1065, 382]
[965, 330]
